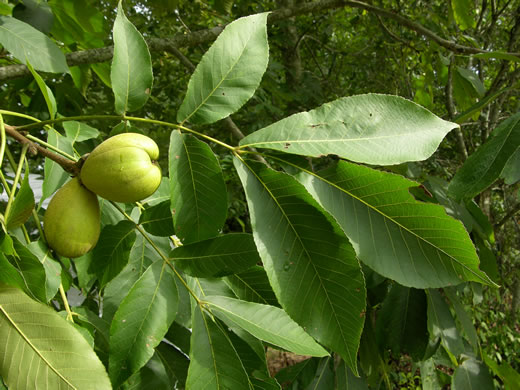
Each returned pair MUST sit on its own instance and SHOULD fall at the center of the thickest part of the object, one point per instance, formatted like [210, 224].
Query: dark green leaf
[175, 362]
[463, 317]
[157, 220]
[30, 270]
[113, 250]
[441, 324]
[131, 72]
[372, 128]
[229, 72]
[141, 321]
[401, 323]
[253, 286]
[311, 265]
[346, 380]
[484, 166]
[214, 362]
[413, 243]
[197, 187]
[219, 256]
[324, 377]
[37, 13]
[26, 43]
[511, 171]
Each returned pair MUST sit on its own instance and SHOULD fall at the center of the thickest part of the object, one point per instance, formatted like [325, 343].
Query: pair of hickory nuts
[121, 169]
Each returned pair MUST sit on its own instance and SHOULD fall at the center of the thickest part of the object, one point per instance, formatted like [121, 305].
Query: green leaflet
[142, 320]
[416, 244]
[219, 256]
[485, 165]
[214, 362]
[197, 188]
[310, 263]
[268, 323]
[372, 128]
[131, 71]
[229, 72]
[27, 43]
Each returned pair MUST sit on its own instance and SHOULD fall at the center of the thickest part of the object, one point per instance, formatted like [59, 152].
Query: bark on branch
[103, 54]
[70, 166]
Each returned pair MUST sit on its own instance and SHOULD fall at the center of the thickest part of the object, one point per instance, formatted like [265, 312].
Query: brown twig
[68, 165]
[511, 213]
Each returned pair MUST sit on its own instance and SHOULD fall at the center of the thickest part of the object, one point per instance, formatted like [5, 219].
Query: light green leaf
[401, 323]
[485, 165]
[472, 374]
[22, 205]
[55, 176]
[26, 43]
[50, 352]
[442, 324]
[142, 320]
[113, 250]
[414, 243]
[45, 90]
[229, 72]
[252, 285]
[268, 323]
[372, 128]
[477, 107]
[157, 220]
[79, 131]
[464, 13]
[310, 263]
[214, 362]
[219, 256]
[197, 187]
[131, 71]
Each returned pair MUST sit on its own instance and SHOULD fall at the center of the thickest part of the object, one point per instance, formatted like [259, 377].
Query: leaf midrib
[36, 351]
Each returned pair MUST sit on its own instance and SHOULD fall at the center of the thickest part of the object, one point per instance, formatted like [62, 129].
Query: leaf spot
[287, 144]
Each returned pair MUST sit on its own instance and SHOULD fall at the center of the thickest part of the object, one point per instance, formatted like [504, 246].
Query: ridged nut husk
[123, 168]
[72, 220]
